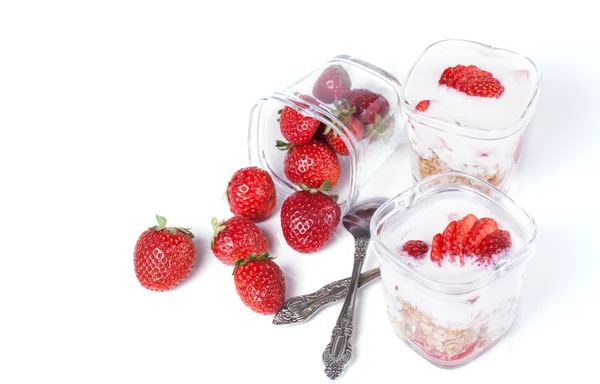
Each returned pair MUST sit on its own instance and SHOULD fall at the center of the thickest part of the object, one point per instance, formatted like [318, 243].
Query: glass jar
[450, 313]
[481, 136]
[366, 152]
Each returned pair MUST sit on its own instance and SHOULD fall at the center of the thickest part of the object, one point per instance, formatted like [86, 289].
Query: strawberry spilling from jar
[472, 80]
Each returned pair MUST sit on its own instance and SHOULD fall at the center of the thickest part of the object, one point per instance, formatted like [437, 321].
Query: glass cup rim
[384, 212]
[467, 131]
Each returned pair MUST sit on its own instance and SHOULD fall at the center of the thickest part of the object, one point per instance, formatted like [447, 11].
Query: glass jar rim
[389, 209]
[467, 131]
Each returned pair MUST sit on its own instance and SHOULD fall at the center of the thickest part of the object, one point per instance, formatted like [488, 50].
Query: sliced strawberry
[463, 227]
[449, 238]
[437, 245]
[480, 229]
[423, 105]
[493, 244]
[471, 80]
[415, 248]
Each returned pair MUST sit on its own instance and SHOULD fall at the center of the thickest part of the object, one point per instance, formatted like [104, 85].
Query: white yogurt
[515, 73]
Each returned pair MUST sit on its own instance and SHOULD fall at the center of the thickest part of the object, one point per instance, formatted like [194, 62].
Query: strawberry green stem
[162, 224]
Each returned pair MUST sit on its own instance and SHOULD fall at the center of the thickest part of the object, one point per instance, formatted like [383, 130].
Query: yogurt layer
[517, 74]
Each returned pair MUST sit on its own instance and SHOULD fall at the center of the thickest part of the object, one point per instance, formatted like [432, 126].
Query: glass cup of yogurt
[468, 106]
[348, 110]
[453, 251]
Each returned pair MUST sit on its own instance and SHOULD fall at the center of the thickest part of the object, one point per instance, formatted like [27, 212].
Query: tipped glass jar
[468, 106]
[453, 300]
[339, 123]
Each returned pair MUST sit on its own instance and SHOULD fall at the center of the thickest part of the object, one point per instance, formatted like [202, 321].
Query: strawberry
[368, 105]
[493, 244]
[251, 194]
[463, 228]
[260, 283]
[449, 240]
[297, 128]
[437, 246]
[415, 248]
[309, 218]
[310, 164]
[235, 239]
[472, 80]
[333, 84]
[336, 142]
[163, 256]
[480, 229]
[423, 105]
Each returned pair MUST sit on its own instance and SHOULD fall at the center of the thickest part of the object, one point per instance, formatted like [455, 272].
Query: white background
[113, 111]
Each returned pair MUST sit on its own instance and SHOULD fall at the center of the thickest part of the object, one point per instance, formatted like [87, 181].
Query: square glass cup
[485, 135]
[450, 322]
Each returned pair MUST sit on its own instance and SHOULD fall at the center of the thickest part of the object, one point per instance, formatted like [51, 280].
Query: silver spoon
[299, 309]
[339, 350]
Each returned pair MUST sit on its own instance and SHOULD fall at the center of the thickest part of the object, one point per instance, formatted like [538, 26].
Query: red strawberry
[235, 239]
[310, 164]
[415, 248]
[251, 194]
[480, 229]
[309, 218]
[449, 240]
[463, 228]
[163, 256]
[333, 84]
[297, 128]
[437, 249]
[423, 105]
[260, 283]
[368, 105]
[493, 244]
[336, 142]
[472, 80]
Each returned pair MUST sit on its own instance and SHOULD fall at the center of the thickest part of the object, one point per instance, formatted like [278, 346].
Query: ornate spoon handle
[299, 309]
[339, 350]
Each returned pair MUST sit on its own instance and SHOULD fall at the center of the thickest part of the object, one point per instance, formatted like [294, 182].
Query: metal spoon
[299, 309]
[339, 350]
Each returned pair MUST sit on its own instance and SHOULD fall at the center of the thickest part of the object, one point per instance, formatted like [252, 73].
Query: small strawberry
[310, 164]
[251, 194]
[463, 228]
[260, 283]
[297, 128]
[415, 248]
[449, 240]
[437, 249]
[163, 256]
[471, 80]
[235, 239]
[480, 229]
[493, 244]
[333, 84]
[309, 218]
[336, 142]
[368, 105]
[423, 105]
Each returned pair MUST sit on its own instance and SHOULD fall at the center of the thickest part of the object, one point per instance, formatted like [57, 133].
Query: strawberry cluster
[469, 237]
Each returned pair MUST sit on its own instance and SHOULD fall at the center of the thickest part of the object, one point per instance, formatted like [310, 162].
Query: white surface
[113, 111]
